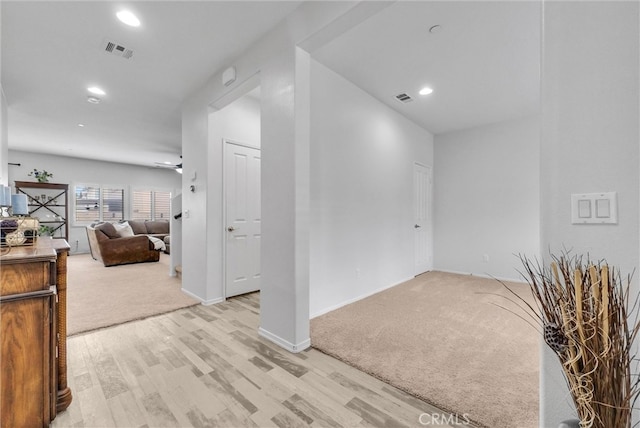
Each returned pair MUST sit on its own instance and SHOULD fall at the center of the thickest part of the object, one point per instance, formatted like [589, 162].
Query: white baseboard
[355, 299]
[202, 301]
[284, 343]
[213, 301]
[481, 275]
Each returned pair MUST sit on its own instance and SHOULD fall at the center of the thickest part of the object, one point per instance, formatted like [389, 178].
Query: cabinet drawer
[18, 278]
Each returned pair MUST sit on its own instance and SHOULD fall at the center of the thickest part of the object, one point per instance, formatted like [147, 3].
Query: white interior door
[242, 215]
[422, 219]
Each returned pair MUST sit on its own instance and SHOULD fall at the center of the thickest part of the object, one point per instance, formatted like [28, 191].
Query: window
[87, 203]
[112, 204]
[141, 205]
[98, 203]
[150, 205]
[161, 205]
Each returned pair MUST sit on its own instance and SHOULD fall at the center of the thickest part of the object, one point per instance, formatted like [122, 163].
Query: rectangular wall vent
[116, 49]
[404, 98]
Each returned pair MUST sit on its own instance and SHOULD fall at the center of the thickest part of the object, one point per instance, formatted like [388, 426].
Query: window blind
[87, 200]
[112, 204]
[162, 205]
[150, 205]
[141, 205]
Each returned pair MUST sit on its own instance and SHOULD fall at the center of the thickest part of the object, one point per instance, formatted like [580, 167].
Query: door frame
[225, 143]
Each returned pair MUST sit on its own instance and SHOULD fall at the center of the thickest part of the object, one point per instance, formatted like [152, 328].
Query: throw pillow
[124, 229]
[138, 227]
[108, 229]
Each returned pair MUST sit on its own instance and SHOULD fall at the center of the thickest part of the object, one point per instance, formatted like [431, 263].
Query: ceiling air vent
[117, 49]
[404, 98]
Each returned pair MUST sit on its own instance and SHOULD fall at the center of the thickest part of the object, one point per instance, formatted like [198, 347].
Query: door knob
[231, 228]
[416, 226]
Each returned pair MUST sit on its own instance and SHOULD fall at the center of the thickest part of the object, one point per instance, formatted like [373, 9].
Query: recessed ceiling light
[95, 90]
[93, 100]
[435, 29]
[128, 18]
[425, 91]
[81, 125]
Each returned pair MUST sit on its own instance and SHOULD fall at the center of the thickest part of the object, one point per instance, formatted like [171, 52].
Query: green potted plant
[45, 230]
[42, 176]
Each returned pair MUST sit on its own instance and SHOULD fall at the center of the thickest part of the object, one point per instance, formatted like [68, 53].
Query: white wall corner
[207, 302]
[556, 404]
[357, 298]
[294, 348]
[484, 275]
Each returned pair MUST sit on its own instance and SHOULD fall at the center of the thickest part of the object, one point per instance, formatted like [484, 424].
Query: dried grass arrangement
[583, 311]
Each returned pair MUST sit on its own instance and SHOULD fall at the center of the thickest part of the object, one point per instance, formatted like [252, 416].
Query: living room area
[126, 286]
[104, 179]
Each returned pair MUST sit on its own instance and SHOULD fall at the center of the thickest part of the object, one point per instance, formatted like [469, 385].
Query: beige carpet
[99, 296]
[439, 337]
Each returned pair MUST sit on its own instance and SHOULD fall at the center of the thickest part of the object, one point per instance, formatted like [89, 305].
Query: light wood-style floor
[206, 366]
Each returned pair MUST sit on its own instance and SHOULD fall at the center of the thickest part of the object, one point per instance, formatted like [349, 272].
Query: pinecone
[555, 338]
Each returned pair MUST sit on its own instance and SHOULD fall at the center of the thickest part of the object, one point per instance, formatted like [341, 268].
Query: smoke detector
[117, 49]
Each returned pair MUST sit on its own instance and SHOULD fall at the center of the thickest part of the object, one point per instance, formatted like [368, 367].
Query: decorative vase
[43, 179]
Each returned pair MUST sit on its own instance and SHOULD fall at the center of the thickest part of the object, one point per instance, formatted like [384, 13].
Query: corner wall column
[284, 306]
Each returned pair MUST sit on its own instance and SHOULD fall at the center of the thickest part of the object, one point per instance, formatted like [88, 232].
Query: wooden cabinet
[30, 335]
[49, 202]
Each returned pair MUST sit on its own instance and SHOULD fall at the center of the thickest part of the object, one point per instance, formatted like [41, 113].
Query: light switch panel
[594, 208]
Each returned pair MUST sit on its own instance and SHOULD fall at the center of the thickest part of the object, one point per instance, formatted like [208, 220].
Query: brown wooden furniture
[50, 203]
[32, 347]
[61, 248]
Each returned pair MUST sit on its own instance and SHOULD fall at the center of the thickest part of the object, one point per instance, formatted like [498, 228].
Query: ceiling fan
[169, 165]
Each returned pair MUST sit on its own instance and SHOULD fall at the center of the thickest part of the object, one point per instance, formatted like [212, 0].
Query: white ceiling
[52, 51]
[483, 67]
[483, 64]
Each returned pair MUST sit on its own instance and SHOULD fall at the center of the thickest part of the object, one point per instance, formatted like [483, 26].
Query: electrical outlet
[485, 258]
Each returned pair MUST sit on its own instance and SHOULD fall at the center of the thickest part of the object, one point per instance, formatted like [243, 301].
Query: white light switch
[594, 208]
[584, 208]
[603, 208]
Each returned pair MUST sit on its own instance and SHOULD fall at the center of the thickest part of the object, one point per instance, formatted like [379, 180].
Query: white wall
[4, 140]
[70, 171]
[283, 73]
[590, 132]
[4, 132]
[487, 193]
[362, 157]
[239, 122]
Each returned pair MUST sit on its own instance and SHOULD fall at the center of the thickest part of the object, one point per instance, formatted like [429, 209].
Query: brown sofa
[156, 228]
[108, 247]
